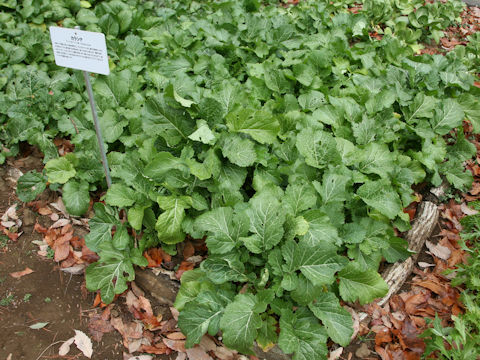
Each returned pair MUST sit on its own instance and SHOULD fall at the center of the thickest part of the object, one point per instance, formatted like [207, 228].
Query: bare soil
[46, 295]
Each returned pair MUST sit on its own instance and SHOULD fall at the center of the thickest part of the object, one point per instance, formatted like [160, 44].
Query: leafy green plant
[287, 136]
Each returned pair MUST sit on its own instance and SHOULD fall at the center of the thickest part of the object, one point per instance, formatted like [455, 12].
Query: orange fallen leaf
[184, 266]
[19, 274]
[45, 211]
[176, 336]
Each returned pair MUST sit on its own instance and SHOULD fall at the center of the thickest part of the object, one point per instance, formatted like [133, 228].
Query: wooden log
[427, 217]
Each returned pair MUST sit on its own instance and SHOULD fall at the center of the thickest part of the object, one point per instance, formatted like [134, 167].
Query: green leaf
[448, 117]
[76, 197]
[30, 185]
[363, 286]
[422, 107]
[299, 197]
[194, 321]
[318, 148]
[223, 268]
[381, 196]
[336, 319]
[110, 274]
[135, 216]
[224, 229]
[240, 323]
[39, 325]
[276, 81]
[266, 223]
[318, 264]
[302, 334]
[111, 126]
[238, 150]
[169, 223]
[203, 134]
[471, 108]
[100, 226]
[376, 159]
[167, 120]
[162, 164]
[260, 125]
[120, 195]
[59, 170]
[267, 333]
[320, 229]
[333, 186]
[121, 239]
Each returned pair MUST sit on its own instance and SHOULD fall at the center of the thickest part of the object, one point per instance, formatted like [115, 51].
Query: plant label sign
[79, 49]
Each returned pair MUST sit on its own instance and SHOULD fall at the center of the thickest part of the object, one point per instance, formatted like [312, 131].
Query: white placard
[81, 50]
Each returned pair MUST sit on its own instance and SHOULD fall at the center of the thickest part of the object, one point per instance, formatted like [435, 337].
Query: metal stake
[97, 128]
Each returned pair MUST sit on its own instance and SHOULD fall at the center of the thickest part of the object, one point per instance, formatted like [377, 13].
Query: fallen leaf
[439, 251]
[383, 336]
[174, 312]
[224, 354]
[334, 355]
[188, 250]
[177, 345]
[59, 205]
[181, 356]
[8, 224]
[184, 266]
[141, 357]
[176, 336]
[45, 211]
[99, 325]
[11, 213]
[60, 223]
[39, 325]
[425, 264]
[54, 217]
[157, 349]
[65, 347]
[207, 344]
[75, 270]
[468, 211]
[19, 274]
[197, 353]
[408, 337]
[84, 344]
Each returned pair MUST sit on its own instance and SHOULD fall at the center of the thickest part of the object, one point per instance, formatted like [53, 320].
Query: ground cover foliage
[288, 136]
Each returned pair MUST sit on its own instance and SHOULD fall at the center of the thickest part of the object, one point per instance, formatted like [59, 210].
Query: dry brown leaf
[45, 211]
[181, 356]
[176, 336]
[383, 336]
[467, 210]
[177, 345]
[224, 354]
[188, 250]
[157, 349]
[60, 223]
[19, 274]
[207, 344]
[439, 251]
[198, 353]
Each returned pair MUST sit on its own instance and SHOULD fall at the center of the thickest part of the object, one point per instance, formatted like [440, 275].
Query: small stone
[28, 217]
[363, 351]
